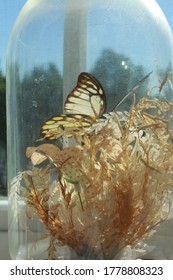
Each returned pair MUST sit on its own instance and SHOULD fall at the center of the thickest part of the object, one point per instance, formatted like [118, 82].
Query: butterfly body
[85, 104]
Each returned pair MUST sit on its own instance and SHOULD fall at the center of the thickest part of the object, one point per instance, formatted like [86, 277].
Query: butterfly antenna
[132, 90]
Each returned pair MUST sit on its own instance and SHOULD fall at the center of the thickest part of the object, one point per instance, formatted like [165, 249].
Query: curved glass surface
[80, 185]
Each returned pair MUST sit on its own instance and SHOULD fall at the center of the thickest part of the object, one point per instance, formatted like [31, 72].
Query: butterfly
[84, 105]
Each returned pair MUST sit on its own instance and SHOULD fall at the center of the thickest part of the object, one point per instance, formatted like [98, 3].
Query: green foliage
[42, 91]
[42, 88]
[117, 74]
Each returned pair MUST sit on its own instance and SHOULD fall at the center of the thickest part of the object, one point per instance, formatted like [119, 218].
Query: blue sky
[9, 9]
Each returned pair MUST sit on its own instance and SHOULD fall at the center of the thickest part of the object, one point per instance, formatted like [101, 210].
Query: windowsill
[162, 241]
[4, 215]
[4, 252]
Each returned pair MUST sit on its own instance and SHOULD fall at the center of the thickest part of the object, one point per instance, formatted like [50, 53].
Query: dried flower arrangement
[108, 190]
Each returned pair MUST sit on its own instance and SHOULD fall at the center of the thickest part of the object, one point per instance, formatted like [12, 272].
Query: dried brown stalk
[109, 192]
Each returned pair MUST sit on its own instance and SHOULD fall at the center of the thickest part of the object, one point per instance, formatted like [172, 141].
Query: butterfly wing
[87, 97]
[65, 124]
[85, 104]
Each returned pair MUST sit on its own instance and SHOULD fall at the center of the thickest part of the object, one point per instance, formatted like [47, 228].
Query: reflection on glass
[3, 160]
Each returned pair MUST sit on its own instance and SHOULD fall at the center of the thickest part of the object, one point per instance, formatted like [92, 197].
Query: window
[9, 11]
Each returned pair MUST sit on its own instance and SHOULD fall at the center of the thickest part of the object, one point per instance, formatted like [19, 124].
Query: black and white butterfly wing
[62, 124]
[85, 104]
[87, 98]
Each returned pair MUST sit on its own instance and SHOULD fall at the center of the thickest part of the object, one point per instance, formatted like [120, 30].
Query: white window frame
[4, 215]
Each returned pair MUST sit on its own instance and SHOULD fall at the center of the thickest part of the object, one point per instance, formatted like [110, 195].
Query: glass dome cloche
[89, 128]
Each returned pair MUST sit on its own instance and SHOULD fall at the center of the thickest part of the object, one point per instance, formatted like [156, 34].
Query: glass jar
[89, 108]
